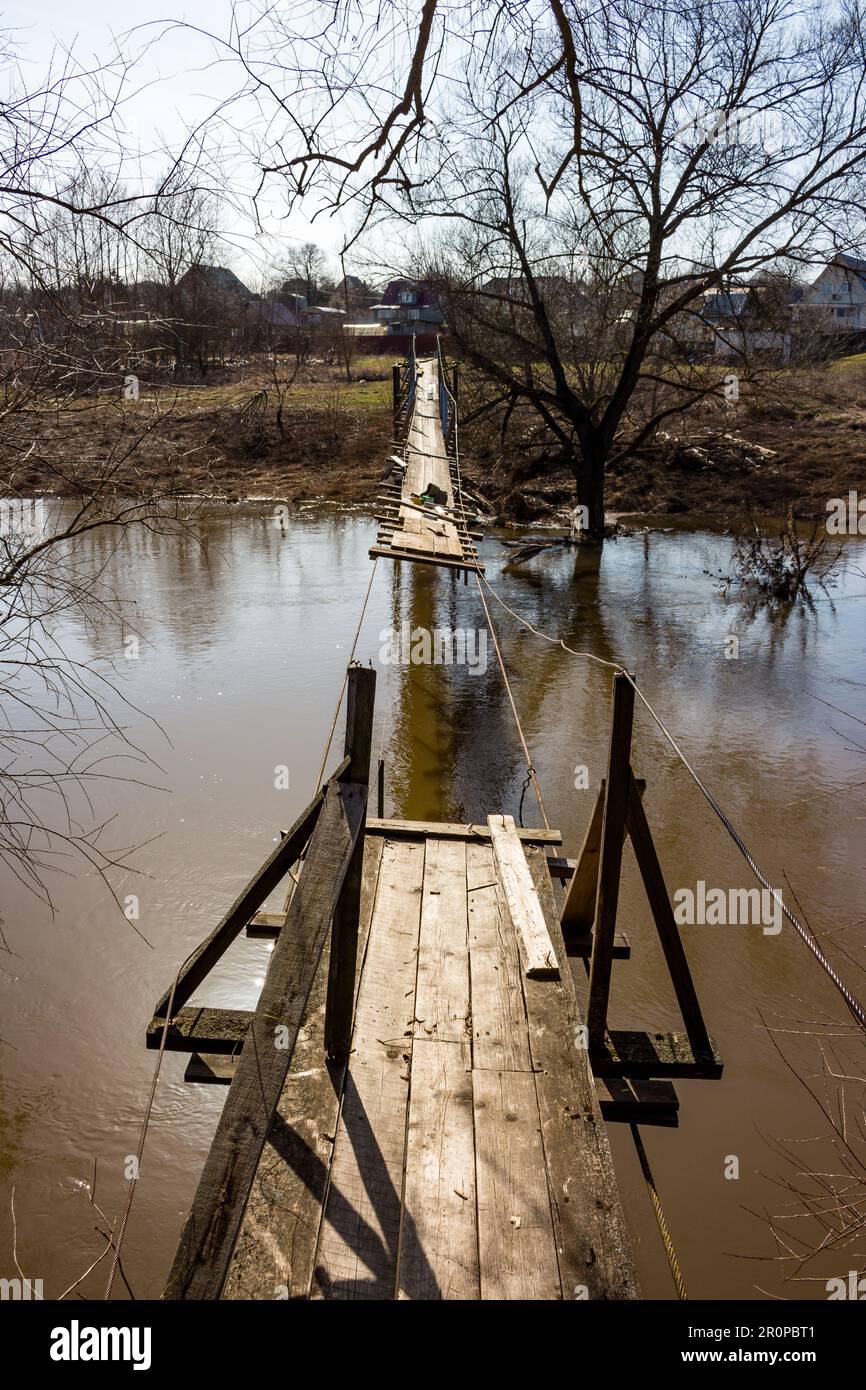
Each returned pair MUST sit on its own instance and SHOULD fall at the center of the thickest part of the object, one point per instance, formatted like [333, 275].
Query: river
[241, 651]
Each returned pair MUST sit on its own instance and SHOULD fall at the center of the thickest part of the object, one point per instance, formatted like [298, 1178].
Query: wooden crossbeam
[627, 1101]
[196, 1030]
[447, 830]
[594, 889]
[643, 1055]
[390, 553]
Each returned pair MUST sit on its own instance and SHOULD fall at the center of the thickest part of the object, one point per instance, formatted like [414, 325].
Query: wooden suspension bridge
[417, 1104]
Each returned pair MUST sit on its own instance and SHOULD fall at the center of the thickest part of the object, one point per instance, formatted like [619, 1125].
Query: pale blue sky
[177, 84]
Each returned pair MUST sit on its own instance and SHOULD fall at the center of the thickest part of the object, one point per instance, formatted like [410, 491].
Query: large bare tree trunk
[589, 467]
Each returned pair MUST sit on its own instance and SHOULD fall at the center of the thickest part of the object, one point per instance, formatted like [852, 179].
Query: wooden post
[380, 790]
[612, 836]
[396, 401]
[361, 694]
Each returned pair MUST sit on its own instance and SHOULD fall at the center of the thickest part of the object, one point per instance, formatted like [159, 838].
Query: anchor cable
[665, 1234]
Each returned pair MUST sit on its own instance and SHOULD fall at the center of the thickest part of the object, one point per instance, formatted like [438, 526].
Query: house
[738, 320]
[836, 301]
[408, 307]
[356, 294]
[216, 280]
[321, 314]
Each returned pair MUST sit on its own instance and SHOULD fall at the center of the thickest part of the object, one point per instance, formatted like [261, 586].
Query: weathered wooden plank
[499, 1040]
[209, 1232]
[539, 959]
[516, 1249]
[395, 552]
[443, 830]
[439, 1238]
[357, 1252]
[196, 1030]
[442, 993]
[276, 1246]
[592, 1242]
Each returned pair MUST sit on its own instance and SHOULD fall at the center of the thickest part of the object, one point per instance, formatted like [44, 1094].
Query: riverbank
[238, 436]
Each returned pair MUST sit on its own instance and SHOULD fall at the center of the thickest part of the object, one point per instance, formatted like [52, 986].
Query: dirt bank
[225, 439]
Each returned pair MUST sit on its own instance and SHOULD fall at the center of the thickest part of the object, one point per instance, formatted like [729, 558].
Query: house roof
[394, 288]
[313, 309]
[219, 277]
[725, 304]
[855, 263]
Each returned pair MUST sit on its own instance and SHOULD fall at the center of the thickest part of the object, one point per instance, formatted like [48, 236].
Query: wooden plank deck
[461, 1152]
[412, 532]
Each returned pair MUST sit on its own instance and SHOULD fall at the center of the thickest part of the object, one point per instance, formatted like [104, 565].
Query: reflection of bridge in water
[417, 1104]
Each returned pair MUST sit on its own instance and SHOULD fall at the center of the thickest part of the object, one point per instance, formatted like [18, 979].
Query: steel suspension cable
[854, 1006]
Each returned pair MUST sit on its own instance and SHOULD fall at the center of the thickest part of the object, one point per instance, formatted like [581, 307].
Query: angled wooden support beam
[343, 958]
[669, 935]
[277, 864]
[211, 1229]
[610, 858]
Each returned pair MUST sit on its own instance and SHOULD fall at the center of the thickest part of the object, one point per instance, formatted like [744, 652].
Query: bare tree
[662, 153]
[70, 244]
[303, 269]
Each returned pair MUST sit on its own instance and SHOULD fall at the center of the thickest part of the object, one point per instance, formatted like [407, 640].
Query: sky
[178, 82]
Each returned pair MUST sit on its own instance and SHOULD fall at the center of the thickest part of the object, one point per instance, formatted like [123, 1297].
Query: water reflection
[246, 631]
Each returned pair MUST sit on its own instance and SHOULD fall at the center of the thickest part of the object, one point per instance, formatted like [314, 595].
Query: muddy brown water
[240, 664]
